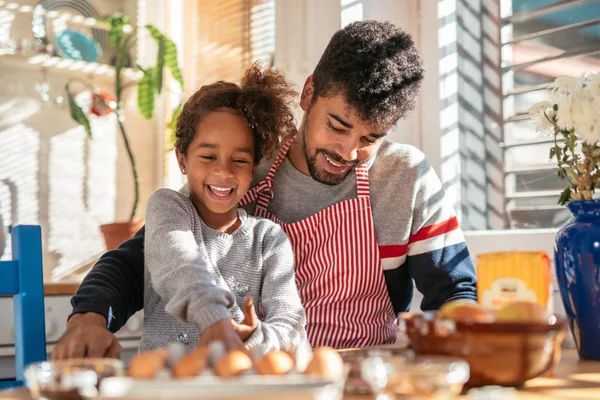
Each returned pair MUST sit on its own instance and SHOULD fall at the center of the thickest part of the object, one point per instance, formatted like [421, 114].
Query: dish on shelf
[77, 46]
[66, 10]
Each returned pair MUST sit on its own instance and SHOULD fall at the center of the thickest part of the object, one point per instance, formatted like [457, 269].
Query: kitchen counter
[571, 379]
[65, 288]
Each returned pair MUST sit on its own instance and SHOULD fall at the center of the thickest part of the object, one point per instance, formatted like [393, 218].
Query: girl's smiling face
[219, 165]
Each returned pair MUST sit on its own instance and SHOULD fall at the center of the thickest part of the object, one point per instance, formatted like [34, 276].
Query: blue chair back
[22, 277]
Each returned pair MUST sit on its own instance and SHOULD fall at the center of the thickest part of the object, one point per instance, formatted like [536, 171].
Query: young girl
[205, 257]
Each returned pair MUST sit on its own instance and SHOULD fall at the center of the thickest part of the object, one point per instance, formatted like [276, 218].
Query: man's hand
[223, 331]
[87, 336]
[250, 322]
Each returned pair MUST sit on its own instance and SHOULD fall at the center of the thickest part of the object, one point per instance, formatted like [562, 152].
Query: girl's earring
[183, 171]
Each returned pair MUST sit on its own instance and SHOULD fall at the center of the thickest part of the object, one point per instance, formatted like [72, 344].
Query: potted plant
[572, 118]
[148, 86]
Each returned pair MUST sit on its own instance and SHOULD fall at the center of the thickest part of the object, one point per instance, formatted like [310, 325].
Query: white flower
[594, 84]
[564, 119]
[543, 114]
[541, 106]
[582, 109]
[565, 86]
[542, 121]
[589, 133]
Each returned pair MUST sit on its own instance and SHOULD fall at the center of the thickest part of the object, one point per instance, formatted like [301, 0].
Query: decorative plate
[45, 35]
[77, 45]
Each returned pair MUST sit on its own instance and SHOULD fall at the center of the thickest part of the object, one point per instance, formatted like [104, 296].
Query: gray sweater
[197, 276]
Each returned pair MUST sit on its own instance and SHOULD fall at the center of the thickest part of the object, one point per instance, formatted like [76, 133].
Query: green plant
[148, 86]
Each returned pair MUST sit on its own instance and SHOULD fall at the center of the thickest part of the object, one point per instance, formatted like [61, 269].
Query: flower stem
[557, 151]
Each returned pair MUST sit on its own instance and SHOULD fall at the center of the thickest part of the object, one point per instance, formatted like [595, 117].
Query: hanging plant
[148, 86]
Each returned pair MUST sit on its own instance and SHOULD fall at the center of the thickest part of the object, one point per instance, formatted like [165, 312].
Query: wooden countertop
[571, 379]
[60, 288]
[67, 285]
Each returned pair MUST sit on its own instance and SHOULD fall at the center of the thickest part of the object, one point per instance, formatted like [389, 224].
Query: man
[365, 216]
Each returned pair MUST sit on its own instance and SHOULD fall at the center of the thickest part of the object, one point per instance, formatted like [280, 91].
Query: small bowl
[498, 353]
[70, 379]
[353, 359]
[422, 377]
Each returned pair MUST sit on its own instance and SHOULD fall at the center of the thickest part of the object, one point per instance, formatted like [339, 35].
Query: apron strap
[362, 180]
[280, 157]
[263, 192]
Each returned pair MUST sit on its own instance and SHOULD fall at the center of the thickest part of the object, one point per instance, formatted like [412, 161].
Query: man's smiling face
[335, 140]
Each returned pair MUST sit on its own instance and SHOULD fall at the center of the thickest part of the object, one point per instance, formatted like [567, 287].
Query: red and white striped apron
[338, 268]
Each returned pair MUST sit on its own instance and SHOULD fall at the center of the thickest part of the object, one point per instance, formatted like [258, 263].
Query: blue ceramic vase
[577, 256]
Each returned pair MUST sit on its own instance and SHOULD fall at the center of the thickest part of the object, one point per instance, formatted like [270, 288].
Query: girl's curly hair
[262, 97]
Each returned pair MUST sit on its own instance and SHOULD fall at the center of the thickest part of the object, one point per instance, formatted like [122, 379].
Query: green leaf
[565, 156]
[565, 196]
[170, 55]
[173, 122]
[571, 139]
[117, 24]
[561, 173]
[552, 152]
[115, 35]
[146, 94]
[160, 64]
[77, 113]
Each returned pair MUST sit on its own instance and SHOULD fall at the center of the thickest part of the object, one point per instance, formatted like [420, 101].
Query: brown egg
[146, 365]
[233, 363]
[326, 363]
[275, 363]
[192, 364]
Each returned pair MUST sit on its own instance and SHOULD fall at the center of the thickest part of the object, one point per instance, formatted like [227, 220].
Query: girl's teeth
[220, 191]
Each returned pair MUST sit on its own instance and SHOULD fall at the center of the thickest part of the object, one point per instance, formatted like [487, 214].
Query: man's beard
[323, 176]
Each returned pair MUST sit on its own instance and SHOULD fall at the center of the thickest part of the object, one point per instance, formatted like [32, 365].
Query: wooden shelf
[60, 65]
[72, 19]
[65, 66]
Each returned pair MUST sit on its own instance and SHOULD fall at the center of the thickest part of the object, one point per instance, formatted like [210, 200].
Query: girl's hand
[222, 331]
[249, 324]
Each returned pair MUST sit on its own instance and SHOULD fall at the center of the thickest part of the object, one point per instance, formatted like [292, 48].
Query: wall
[51, 174]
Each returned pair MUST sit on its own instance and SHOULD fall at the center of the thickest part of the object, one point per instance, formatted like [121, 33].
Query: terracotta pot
[118, 232]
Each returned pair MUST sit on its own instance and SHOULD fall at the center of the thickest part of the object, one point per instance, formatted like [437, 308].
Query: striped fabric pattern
[338, 268]
[429, 238]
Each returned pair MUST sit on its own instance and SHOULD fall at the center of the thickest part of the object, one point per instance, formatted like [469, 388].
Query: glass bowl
[418, 377]
[70, 379]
